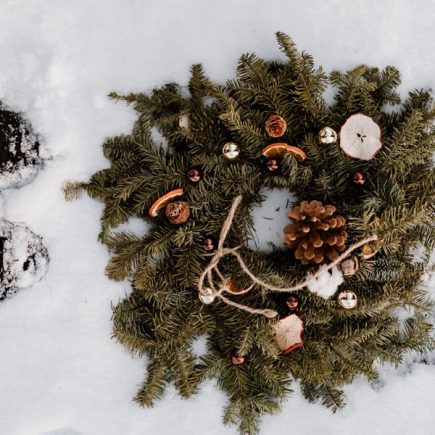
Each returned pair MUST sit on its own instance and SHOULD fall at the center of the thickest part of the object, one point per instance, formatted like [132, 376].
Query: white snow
[61, 374]
[24, 259]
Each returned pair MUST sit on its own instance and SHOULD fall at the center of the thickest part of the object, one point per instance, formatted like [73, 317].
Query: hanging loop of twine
[207, 287]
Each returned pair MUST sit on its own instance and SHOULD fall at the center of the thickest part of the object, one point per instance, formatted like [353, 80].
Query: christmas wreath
[359, 237]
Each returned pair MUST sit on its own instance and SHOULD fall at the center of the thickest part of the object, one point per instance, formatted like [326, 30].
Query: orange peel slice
[278, 149]
[163, 201]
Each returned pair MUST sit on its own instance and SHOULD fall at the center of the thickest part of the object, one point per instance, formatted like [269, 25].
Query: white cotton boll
[326, 284]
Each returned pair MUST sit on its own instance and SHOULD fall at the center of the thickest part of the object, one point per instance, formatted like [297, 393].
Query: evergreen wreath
[323, 311]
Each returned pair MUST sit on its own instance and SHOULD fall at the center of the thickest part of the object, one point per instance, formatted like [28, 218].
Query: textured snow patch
[19, 150]
[24, 258]
[270, 218]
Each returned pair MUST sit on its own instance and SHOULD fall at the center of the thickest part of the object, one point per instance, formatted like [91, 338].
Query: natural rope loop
[212, 293]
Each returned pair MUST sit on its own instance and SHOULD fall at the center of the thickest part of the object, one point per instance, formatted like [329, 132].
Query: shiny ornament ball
[272, 165]
[177, 212]
[359, 178]
[347, 299]
[194, 175]
[292, 302]
[209, 244]
[207, 297]
[237, 360]
[275, 126]
[327, 136]
[231, 151]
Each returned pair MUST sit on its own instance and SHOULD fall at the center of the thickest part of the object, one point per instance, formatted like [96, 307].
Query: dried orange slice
[278, 149]
[163, 201]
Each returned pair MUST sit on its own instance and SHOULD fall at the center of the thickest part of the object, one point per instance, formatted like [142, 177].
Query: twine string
[224, 287]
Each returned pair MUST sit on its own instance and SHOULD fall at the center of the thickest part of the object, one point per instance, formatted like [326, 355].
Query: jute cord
[207, 286]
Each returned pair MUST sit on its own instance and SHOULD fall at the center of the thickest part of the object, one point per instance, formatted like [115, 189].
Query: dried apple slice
[288, 333]
[360, 137]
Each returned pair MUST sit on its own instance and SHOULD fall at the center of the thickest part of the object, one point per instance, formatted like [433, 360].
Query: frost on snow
[23, 258]
[19, 150]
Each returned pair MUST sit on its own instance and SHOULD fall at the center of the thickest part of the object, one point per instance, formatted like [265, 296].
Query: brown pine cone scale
[316, 232]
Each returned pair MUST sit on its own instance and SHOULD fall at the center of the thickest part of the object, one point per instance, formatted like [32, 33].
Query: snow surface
[24, 258]
[61, 374]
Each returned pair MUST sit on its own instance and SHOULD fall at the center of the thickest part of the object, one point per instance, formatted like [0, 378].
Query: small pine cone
[316, 232]
[177, 212]
[275, 126]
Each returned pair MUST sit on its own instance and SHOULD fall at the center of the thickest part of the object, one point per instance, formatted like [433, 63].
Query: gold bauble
[327, 136]
[231, 151]
[347, 299]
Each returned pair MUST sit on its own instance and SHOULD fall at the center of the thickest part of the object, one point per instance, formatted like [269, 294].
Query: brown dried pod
[349, 266]
[275, 126]
[177, 212]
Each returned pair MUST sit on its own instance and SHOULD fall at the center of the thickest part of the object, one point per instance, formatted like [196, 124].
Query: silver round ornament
[231, 151]
[207, 297]
[327, 136]
[347, 299]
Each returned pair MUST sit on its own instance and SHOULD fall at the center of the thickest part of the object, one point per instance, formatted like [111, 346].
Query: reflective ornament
[288, 333]
[327, 136]
[272, 165]
[359, 178]
[207, 297]
[237, 360]
[209, 244]
[231, 151]
[347, 299]
[292, 302]
[194, 175]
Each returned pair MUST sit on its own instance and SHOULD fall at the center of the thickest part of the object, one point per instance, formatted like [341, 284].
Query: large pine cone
[317, 232]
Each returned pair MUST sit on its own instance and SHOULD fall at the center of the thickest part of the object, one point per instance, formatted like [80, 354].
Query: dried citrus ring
[163, 201]
[278, 149]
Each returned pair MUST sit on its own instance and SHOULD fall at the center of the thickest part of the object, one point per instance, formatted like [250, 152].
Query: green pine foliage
[162, 316]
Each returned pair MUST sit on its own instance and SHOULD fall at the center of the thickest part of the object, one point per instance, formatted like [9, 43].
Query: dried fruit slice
[163, 201]
[288, 333]
[360, 137]
[278, 149]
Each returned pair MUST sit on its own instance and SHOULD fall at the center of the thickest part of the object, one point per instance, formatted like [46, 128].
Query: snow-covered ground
[60, 372]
